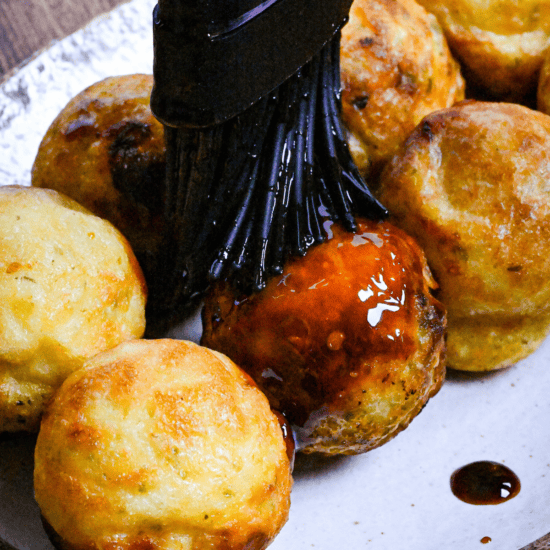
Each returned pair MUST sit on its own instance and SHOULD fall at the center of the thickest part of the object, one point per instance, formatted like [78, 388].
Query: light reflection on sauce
[485, 482]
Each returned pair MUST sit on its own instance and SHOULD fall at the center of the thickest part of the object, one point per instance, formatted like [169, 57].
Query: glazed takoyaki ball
[500, 44]
[543, 88]
[347, 342]
[106, 150]
[472, 185]
[161, 444]
[70, 287]
[396, 68]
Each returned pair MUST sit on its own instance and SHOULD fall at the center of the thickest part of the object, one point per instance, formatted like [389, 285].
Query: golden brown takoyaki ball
[499, 43]
[106, 150]
[348, 342]
[396, 68]
[70, 287]
[543, 88]
[161, 444]
[472, 185]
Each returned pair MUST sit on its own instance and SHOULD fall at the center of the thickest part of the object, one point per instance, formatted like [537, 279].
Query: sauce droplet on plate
[484, 482]
[485, 540]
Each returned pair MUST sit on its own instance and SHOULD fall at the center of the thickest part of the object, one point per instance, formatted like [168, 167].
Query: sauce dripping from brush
[485, 482]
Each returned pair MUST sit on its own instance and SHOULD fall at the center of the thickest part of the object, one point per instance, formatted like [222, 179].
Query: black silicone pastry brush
[257, 161]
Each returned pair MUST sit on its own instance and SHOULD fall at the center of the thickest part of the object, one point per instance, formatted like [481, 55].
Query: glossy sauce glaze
[485, 482]
[336, 328]
[288, 437]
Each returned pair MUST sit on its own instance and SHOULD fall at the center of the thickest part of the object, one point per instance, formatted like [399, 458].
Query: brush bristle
[245, 195]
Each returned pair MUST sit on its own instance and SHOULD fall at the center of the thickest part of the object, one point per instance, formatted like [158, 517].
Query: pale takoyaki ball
[499, 43]
[396, 68]
[106, 150]
[161, 444]
[347, 342]
[472, 185]
[70, 287]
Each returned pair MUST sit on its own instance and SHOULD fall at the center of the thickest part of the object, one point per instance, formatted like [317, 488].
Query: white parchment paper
[397, 497]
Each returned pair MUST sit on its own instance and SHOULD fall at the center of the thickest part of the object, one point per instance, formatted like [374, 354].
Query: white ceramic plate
[395, 497]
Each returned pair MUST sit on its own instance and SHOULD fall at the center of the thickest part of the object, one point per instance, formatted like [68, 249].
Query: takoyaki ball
[396, 68]
[106, 151]
[472, 185]
[543, 88]
[70, 287]
[348, 342]
[499, 43]
[161, 444]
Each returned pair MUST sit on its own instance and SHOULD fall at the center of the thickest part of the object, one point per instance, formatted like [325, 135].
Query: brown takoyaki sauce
[336, 322]
[485, 482]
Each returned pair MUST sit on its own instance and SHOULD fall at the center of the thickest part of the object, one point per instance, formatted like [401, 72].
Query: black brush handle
[215, 58]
